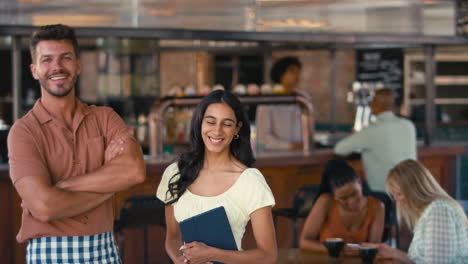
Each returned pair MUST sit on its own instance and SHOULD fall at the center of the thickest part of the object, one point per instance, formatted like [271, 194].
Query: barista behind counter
[279, 126]
[384, 143]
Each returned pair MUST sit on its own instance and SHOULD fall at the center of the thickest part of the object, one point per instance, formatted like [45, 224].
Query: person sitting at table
[438, 222]
[341, 210]
[217, 171]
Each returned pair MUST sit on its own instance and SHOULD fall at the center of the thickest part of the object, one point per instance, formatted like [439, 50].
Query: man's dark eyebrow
[62, 54]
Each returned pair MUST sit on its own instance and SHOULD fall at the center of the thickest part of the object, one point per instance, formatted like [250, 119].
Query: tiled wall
[177, 68]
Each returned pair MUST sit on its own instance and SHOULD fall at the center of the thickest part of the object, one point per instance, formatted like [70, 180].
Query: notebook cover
[211, 227]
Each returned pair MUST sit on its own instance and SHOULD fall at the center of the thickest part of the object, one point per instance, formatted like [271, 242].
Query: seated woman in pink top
[341, 210]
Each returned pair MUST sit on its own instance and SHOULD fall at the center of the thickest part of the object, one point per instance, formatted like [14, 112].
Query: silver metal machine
[361, 94]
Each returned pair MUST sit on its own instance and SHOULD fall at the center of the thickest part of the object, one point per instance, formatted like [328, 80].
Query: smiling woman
[217, 172]
[342, 211]
[219, 128]
[438, 222]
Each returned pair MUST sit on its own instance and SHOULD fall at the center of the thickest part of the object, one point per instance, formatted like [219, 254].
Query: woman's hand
[351, 250]
[196, 253]
[385, 251]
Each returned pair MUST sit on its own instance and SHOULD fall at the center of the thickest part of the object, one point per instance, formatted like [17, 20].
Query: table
[298, 256]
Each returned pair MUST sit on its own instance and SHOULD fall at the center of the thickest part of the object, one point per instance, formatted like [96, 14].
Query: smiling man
[67, 159]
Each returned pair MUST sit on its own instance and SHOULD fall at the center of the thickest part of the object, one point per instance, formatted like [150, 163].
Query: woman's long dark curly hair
[191, 162]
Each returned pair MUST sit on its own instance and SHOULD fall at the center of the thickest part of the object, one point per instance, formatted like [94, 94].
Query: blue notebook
[211, 227]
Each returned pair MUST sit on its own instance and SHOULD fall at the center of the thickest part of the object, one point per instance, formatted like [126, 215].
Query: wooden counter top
[287, 158]
[319, 156]
[266, 159]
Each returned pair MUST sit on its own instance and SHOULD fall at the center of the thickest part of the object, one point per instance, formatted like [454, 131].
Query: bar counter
[285, 172]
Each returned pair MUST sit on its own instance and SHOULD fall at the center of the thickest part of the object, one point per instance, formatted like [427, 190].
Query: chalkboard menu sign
[380, 66]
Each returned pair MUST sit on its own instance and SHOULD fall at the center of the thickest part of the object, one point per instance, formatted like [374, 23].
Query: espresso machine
[361, 94]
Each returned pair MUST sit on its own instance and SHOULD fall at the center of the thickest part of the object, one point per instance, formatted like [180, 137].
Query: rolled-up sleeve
[25, 159]
[115, 126]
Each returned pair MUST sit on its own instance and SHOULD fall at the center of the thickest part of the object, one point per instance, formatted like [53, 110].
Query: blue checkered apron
[95, 249]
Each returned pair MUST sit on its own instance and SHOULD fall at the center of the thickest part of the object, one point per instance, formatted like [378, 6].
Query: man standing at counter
[384, 143]
[67, 159]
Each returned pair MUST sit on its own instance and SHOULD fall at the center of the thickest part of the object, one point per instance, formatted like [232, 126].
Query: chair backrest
[141, 211]
[389, 205]
[390, 213]
[464, 205]
[304, 199]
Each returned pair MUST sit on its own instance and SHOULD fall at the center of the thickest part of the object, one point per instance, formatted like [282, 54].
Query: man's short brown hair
[53, 32]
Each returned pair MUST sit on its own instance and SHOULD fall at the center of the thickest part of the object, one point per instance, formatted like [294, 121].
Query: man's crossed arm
[123, 167]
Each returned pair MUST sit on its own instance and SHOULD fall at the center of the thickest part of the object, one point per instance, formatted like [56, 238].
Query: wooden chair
[304, 199]
[390, 234]
[139, 212]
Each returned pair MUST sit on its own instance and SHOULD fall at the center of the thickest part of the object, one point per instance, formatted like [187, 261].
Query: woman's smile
[216, 141]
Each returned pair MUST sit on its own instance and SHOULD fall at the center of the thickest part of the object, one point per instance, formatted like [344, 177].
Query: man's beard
[61, 93]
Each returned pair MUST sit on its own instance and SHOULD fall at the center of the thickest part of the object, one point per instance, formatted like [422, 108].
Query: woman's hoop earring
[236, 136]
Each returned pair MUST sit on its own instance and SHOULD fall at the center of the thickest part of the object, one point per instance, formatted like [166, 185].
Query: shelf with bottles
[177, 120]
[127, 68]
[441, 101]
[442, 80]
[249, 90]
[451, 84]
